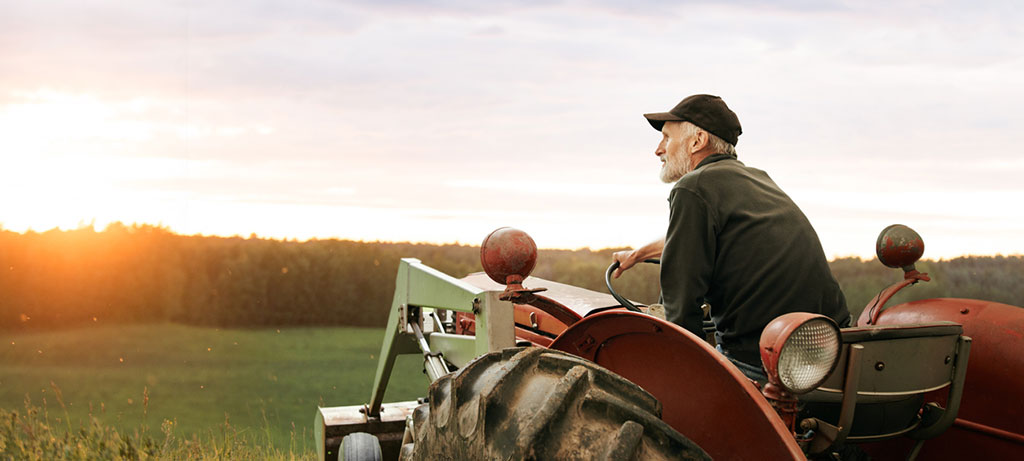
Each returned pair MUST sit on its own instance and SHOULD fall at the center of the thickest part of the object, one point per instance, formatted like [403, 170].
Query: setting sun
[60, 158]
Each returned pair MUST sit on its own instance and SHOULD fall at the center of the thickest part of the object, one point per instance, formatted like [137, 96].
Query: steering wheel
[708, 325]
[608, 282]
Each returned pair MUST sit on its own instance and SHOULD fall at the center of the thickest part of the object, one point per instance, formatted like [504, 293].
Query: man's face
[674, 152]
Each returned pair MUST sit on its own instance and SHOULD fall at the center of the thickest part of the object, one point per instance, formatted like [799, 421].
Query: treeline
[144, 273]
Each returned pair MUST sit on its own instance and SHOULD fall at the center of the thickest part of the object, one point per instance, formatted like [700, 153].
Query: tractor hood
[579, 300]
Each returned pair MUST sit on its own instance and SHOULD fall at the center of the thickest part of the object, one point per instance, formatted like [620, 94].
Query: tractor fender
[704, 396]
[990, 423]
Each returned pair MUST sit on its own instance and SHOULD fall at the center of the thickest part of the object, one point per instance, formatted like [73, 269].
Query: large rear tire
[535, 403]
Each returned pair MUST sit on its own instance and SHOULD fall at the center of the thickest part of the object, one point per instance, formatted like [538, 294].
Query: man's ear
[699, 141]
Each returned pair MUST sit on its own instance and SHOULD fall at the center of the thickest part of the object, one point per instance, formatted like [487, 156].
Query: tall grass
[221, 390]
[34, 435]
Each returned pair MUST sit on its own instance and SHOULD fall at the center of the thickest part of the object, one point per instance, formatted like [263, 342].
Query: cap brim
[657, 120]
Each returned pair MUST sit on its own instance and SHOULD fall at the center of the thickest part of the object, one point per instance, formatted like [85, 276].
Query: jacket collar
[714, 158]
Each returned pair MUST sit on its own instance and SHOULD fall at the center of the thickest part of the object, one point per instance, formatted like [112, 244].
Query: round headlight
[808, 356]
[800, 350]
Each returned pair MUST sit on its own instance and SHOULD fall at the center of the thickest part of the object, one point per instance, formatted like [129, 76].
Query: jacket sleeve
[688, 259]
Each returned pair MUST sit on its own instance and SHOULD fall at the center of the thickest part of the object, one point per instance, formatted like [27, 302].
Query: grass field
[266, 383]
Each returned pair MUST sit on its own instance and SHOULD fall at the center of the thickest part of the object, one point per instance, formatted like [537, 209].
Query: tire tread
[535, 403]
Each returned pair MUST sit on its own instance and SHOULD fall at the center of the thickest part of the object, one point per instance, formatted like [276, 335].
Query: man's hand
[630, 258]
[626, 260]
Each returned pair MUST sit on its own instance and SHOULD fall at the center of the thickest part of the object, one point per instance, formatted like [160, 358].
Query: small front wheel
[359, 446]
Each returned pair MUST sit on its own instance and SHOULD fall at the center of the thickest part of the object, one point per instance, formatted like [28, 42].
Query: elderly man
[735, 240]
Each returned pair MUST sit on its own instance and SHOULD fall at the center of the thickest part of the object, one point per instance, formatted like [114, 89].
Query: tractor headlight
[799, 351]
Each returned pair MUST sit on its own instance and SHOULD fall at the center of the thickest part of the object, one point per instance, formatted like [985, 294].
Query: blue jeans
[750, 371]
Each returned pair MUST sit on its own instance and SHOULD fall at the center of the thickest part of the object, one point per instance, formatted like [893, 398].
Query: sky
[439, 121]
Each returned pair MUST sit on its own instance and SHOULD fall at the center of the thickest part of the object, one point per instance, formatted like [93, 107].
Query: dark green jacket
[737, 241]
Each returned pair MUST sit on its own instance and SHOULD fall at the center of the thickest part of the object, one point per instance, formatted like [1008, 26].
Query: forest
[148, 274]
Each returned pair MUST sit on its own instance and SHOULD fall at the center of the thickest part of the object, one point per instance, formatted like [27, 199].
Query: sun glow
[62, 155]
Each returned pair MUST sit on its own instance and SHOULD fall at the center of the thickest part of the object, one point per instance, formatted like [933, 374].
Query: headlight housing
[800, 350]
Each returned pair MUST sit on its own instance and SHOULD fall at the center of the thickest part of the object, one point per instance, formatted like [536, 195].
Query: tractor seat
[878, 388]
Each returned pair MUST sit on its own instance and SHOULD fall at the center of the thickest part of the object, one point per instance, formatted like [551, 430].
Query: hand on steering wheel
[708, 325]
[608, 282]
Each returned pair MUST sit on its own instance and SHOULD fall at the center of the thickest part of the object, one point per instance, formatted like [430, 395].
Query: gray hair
[718, 145]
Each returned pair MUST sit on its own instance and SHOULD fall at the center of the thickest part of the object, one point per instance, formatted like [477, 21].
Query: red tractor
[561, 372]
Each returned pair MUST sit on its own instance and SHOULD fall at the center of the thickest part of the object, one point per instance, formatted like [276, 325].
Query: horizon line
[91, 226]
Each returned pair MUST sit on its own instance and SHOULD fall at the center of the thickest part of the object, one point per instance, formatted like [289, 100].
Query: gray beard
[671, 171]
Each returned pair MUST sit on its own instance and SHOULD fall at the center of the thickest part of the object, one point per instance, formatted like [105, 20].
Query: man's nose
[660, 150]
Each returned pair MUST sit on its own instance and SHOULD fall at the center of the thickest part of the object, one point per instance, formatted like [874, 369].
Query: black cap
[704, 110]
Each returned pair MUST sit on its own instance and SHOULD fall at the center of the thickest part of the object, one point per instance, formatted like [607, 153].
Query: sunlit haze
[440, 121]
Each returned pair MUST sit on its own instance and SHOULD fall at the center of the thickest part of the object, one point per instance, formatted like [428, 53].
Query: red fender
[703, 395]
[990, 424]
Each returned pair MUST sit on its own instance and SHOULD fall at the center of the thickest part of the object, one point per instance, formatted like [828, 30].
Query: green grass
[30, 436]
[259, 384]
